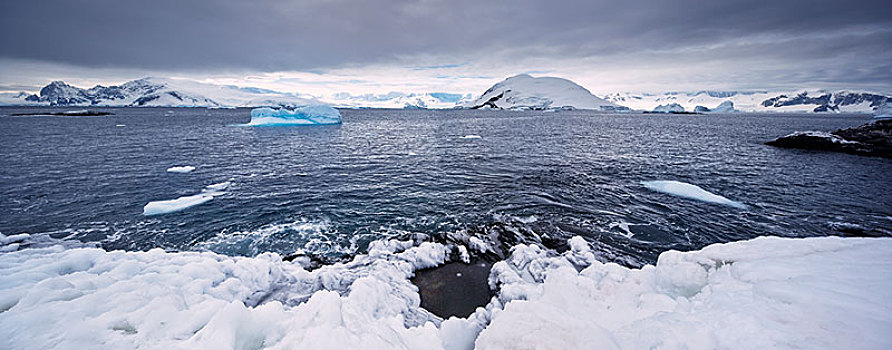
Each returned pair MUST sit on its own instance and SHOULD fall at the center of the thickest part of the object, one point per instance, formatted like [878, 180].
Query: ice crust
[306, 115]
[778, 293]
[181, 203]
[686, 190]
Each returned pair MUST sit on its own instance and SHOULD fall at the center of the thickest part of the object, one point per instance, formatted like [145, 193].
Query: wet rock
[871, 139]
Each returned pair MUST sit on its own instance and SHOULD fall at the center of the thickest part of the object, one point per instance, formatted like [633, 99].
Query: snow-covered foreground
[816, 293]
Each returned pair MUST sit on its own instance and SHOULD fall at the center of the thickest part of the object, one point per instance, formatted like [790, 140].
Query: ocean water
[328, 191]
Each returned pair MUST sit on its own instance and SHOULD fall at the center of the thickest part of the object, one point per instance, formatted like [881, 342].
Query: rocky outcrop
[871, 139]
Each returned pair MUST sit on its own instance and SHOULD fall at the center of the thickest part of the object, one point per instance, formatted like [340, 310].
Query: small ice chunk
[686, 190]
[306, 115]
[181, 203]
[181, 169]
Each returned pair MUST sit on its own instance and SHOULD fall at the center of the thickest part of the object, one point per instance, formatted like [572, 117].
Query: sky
[462, 46]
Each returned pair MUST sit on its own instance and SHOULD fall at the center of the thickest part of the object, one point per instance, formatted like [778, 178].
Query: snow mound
[181, 169]
[766, 293]
[306, 115]
[93, 299]
[181, 203]
[686, 190]
[543, 93]
[769, 292]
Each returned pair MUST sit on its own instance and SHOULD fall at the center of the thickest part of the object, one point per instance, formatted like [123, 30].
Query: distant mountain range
[756, 101]
[518, 93]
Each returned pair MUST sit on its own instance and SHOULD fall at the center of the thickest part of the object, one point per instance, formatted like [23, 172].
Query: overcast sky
[451, 45]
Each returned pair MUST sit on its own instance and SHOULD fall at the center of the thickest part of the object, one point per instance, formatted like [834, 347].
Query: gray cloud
[272, 35]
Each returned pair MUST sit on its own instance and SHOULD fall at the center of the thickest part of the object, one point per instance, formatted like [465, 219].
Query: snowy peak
[527, 92]
[158, 92]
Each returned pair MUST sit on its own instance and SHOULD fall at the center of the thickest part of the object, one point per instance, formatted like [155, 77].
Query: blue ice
[305, 115]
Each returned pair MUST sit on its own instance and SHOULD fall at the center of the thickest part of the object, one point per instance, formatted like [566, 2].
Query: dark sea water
[531, 177]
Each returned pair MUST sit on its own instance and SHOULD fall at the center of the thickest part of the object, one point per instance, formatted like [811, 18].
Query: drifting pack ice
[305, 115]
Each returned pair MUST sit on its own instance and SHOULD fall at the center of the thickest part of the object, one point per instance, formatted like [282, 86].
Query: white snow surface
[686, 190]
[778, 293]
[181, 203]
[542, 93]
[181, 169]
[766, 293]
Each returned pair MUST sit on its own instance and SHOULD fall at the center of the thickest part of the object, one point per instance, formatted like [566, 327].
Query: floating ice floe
[766, 293]
[181, 169]
[306, 115]
[173, 205]
[686, 190]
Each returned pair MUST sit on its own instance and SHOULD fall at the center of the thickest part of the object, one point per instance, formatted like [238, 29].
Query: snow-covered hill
[758, 101]
[154, 92]
[526, 92]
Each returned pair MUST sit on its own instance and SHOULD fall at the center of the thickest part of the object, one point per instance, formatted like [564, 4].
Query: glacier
[686, 190]
[306, 115]
[769, 292]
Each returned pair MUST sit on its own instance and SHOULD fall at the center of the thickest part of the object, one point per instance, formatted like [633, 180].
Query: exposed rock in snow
[871, 139]
[543, 93]
[759, 101]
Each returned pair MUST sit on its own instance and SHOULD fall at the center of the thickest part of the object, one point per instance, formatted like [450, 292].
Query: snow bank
[686, 190]
[93, 299]
[172, 205]
[815, 293]
[181, 169]
[306, 115]
[767, 293]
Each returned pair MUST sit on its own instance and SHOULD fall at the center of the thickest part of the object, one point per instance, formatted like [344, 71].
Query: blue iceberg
[305, 115]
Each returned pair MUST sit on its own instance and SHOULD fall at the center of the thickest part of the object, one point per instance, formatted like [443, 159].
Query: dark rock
[454, 289]
[871, 139]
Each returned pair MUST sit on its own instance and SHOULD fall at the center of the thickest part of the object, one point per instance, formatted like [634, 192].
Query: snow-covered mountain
[439, 100]
[526, 92]
[155, 92]
[758, 101]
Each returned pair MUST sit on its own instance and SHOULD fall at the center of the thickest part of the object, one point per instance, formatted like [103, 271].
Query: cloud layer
[751, 42]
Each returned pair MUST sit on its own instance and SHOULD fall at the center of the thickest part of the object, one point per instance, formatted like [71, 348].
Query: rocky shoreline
[873, 139]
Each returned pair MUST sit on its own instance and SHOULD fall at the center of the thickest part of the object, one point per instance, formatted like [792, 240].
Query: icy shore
[815, 293]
